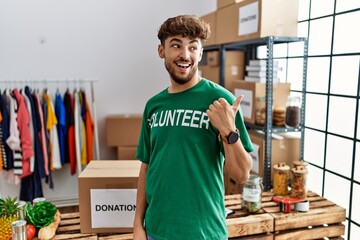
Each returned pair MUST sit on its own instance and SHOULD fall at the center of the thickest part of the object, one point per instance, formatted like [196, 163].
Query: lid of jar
[281, 167]
[299, 170]
[255, 179]
[300, 163]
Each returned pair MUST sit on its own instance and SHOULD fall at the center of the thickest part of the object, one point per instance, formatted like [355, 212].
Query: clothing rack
[80, 82]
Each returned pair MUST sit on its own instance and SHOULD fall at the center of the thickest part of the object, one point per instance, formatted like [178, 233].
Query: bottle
[281, 179]
[251, 195]
[299, 182]
[292, 114]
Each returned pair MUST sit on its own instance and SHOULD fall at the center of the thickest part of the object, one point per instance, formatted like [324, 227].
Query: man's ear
[161, 51]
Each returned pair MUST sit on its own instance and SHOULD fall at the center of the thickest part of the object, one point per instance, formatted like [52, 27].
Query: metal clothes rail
[10, 83]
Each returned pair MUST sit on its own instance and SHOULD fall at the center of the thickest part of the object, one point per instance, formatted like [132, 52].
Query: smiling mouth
[183, 66]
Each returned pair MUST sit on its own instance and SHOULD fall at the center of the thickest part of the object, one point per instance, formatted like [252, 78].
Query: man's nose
[185, 54]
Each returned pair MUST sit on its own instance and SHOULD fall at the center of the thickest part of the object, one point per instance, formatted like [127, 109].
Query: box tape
[302, 206]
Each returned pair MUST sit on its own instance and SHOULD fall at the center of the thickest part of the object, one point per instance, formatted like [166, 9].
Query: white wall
[113, 41]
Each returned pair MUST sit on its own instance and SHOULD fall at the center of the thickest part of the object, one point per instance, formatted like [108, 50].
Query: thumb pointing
[237, 102]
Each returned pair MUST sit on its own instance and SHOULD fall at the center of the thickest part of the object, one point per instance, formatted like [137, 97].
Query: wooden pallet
[323, 220]
[242, 223]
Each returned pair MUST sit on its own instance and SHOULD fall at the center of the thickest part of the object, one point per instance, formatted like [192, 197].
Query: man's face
[182, 56]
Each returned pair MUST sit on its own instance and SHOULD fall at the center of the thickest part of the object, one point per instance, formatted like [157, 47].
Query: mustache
[183, 60]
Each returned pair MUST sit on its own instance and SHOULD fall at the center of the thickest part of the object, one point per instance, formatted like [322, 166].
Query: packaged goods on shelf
[252, 91]
[285, 148]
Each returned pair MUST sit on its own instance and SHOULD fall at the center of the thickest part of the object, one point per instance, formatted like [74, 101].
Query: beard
[181, 80]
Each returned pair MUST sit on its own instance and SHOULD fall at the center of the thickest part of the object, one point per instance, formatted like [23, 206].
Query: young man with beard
[187, 130]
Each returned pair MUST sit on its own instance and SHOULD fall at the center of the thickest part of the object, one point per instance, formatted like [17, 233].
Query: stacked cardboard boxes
[211, 19]
[234, 66]
[122, 132]
[239, 20]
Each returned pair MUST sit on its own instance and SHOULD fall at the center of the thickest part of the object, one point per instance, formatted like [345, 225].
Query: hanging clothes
[31, 187]
[61, 125]
[26, 144]
[1, 145]
[70, 146]
[89, 125]
[31, 127]
[13, 141]
[82, 133]
[51, 121]
[77, 124]
[40, 129]
[7, 156]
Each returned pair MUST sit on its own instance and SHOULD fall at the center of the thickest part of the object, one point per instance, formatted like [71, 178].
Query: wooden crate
[258, 225]
[323, 220]
[69, 228]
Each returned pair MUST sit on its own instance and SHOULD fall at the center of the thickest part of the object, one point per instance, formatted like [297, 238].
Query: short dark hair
[185, 25]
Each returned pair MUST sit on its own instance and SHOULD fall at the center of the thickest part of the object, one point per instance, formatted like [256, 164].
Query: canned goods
[19, 230]
[21, 210]
[39, 199]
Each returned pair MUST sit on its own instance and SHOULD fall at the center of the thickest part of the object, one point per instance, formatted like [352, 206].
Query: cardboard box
[123, 129]
[213, 58]
[211, 19]
[285, 150]
[231, 58]
[253, 90]
[251, 19]
[224, 3]
[210, 73]
[234, 67]
[104, 185]
[126, 152]
[232, 73]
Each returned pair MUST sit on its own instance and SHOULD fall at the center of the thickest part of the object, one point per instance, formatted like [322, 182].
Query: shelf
[250, 47]
[274, 129]
[243, 45]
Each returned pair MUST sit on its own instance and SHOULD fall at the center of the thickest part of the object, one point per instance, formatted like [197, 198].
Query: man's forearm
[238, 160]
[141, 197]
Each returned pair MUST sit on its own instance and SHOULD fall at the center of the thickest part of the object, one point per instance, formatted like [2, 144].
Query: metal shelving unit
[250, 46]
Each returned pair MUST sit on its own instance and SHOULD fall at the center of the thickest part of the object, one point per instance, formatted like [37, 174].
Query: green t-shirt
[184, 183]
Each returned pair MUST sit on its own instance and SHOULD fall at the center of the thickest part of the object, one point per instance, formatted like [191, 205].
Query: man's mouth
[183, 66]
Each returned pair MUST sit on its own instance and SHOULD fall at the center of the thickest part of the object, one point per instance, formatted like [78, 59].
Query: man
[187, 130]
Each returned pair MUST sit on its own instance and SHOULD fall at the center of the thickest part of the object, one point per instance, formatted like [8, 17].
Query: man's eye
[193, 49]
[175, 46]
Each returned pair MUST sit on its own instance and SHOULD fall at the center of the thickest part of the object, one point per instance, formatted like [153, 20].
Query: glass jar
[260, 115]
[299, 182]
[292, 113]
[281, 179]
[251, 195]
[300, 163]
